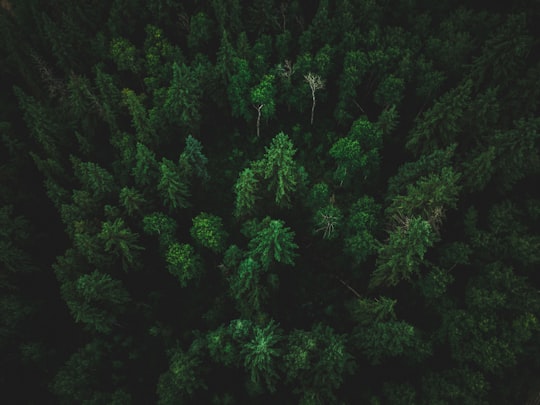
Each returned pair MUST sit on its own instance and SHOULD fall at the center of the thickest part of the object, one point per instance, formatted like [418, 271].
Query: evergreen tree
[172, 186]
[260, 355]
[246, 192]
[183, 262]
[197, 161]
[402, 256]
[280, 169]
[120, 241]
[274, 242]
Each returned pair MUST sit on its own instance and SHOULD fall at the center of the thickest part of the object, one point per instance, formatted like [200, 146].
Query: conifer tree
[208, 231]
[246, 192]
[183, 262]
[274, 242]
[279, 168]
[261, 353]
[121, 241]
[197, 161]
[172, 186]
[402, 256]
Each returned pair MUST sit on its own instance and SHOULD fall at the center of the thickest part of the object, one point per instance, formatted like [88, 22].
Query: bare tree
[258, 108]
[287, 69]
[315, 83]
[328, 225]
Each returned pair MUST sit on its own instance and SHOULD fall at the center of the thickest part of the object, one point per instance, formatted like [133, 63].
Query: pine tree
[99, 300]
[403, 255]
[261, 353]
[379, 335]
[193, 154]
[358, 151]
[247, 288]
[121, 241]
[279, 168]
[146, 169]
[316, 363]
[207, 230]
[274, 242]
[157, 223]
[182, 103]
[246, 193]
[172, 186]
[361, 226]
[96, 180]
[182, 379]
[183, 262]
[239, 89]
[139, 116]
[132, 200]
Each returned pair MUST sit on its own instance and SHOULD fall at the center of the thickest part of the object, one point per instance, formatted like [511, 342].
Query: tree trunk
[312, 107]
[259, 108]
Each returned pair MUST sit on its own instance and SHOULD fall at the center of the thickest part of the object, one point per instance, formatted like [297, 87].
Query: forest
[270, 202]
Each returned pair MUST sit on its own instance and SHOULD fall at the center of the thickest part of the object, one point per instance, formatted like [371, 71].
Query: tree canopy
[297, 202]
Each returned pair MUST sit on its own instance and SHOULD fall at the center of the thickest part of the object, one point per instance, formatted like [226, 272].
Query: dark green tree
[207, 230]
[274, 242]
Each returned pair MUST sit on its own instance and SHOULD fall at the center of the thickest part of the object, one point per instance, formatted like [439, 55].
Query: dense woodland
[226, 202]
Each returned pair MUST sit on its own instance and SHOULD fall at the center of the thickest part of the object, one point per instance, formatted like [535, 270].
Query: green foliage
[159, 55]
[182, 379]
[440, 125]
[239, 89]
[200, 31]
[402, 256]
[429, 197]
[316, 362]
[14, 232]
[120, 241]
[260, 355]
[420, 166]
[359, 151]
[384, 340]
[132, 200]
[247, 288]
[145, 171]
[397, 394]
[517, 153]
[427, 165]
[388, 120]
[274, 242]
[208, 231]
[390, 91]
[279, 169]
[124, 54]
[435, 284]
[246, 193]
[319, 196]
[183, 263]
[494, 341]
[172, 186]
[99, 300]
[79, 380]
[157, 223]
[479, 170]
[193, 154]
[182, 103]
[264, 94]
[94, 178]
[461, 385]
[139, 116]
[361, 227]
